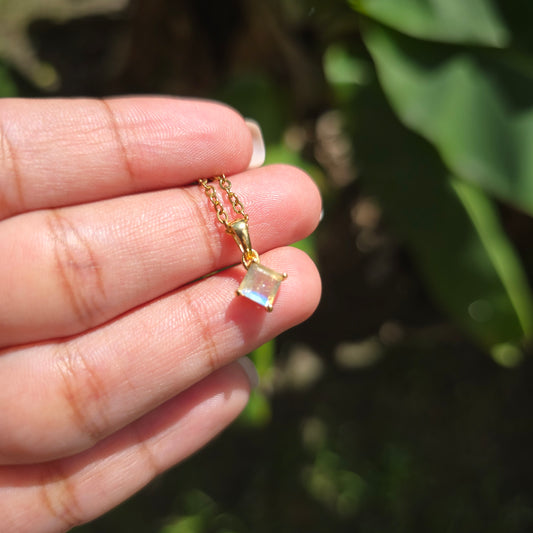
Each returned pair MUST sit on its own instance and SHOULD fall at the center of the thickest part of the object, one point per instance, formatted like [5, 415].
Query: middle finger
[75, 268]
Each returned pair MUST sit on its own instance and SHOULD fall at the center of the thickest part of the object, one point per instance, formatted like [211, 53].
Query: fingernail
[250, 371]
[258, 154]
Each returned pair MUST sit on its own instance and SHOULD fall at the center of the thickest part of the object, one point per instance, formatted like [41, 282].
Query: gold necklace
[260, 284]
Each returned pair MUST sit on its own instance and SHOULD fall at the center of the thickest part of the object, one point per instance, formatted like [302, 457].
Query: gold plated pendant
[261, 283]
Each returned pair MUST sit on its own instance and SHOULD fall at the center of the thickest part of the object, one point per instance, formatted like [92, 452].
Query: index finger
[63, 152]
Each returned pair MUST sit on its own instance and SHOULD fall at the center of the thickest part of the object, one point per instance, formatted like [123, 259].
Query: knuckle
[83, 392]
[145, 451]
[11, 194]
[77, 268]
[58, 497]
[120, 144]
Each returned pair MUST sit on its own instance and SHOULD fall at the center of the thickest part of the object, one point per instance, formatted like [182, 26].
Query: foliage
[472, 107]
[476, 21]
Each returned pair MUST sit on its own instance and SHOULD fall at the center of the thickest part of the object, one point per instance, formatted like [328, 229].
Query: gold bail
[239, 231]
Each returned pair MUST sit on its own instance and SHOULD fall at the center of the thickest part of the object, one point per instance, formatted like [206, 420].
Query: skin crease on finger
[78, 267]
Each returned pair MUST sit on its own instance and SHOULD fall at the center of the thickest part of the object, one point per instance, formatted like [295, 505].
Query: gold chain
[211, 193]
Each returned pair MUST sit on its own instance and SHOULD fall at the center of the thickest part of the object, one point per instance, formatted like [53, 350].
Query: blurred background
[404, 404]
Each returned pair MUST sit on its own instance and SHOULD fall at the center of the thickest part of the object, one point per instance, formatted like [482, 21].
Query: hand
[115, 364]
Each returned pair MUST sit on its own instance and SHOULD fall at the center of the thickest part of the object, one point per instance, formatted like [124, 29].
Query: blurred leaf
[263, 358]
[281, 153]
[344, 71]
[16, 17]
[486, 223]
[461, 21]
[188, 524]
[7, 85]
[478, 114]
[308, 245]
[257, 412]
[257, 97]
[342, 68]
[507, 355]
[451, 227]
[341, 490]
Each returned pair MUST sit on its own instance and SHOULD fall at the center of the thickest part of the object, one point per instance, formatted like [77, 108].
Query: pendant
[260, 284]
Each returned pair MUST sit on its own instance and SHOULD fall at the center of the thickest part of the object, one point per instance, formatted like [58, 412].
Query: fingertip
[208, 137]
[300, 293]
[297, 190]
[227, 130]
[309, 287]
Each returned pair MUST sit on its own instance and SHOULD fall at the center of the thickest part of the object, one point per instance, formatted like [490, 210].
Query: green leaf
[342, 68]
[451, 227]
[486, 223]
[478, 113]
[7, 85]
[257, 412]
[458, 21]
[263, 358]
[256, 96]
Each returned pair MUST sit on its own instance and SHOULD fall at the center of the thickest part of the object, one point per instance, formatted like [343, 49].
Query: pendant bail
[239, 231]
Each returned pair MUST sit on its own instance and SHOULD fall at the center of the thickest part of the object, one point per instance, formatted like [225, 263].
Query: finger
[72, 394]
[62, 494]
[63, 152]
[93, 262]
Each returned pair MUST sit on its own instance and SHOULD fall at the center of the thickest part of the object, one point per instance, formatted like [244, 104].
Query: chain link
[211, 193]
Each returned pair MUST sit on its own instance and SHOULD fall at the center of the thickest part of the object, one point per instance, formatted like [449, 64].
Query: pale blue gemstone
[261, 284]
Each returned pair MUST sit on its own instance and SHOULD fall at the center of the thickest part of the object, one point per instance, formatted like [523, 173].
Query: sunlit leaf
[341, 68]
[451, 227]
[257, 412]
[477, 113]
[263, 358]
[463, 21]
[485, 222]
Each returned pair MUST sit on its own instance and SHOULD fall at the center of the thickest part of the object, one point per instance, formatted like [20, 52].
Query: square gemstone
[261, 284]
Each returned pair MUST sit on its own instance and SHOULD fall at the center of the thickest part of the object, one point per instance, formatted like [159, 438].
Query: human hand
[115, 364]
